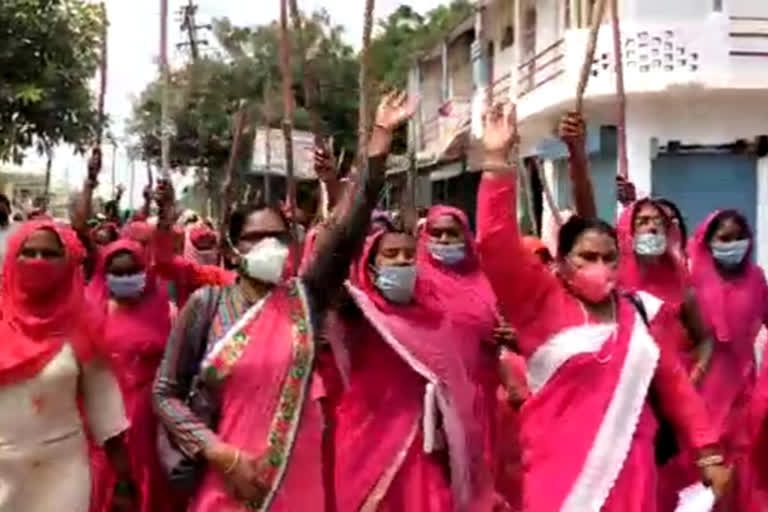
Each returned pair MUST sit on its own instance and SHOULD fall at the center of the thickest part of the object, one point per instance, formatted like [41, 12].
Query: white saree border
[609, 451]
[560, 348]
[457, 449]
[373, 500]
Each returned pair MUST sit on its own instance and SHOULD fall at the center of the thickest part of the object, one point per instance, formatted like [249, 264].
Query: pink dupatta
[135, 337]
[735, 307]
[666, 279]
[405, 367]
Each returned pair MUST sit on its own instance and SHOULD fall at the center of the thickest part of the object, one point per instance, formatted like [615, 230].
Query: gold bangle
[710, 460]
[233, 465]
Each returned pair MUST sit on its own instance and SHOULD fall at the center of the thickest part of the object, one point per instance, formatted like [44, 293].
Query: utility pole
[189, 25]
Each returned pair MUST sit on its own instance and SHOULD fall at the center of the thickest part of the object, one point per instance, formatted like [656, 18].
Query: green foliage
[406, 34]
[49, 51]
[246, 71]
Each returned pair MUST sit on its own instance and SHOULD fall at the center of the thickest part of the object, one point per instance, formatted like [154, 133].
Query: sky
[133, 48]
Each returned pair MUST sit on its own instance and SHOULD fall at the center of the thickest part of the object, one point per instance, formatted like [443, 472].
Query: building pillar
[762, 212]
[479, 52]
[444, 70]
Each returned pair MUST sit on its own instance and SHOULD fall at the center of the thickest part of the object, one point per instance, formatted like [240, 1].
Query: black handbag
[183, 472]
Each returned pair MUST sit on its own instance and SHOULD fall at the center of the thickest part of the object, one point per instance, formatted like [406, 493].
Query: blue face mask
[127, 287]
[650, 244]
[730, 254]
[450, 254]
[396, 283]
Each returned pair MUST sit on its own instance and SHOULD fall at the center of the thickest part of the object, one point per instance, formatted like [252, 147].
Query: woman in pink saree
[594, 368]
[409, 402]
[448, 254]
[138, 321]
[267, 372]
[733, 295]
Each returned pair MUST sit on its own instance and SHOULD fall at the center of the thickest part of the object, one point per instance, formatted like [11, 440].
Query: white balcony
[719, 53]
[440, 129]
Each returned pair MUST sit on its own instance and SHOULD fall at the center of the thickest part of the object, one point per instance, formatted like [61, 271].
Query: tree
[205, 94]
[49, 51]
[405, 34]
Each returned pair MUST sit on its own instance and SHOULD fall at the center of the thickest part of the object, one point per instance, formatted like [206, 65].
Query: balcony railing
[439, 127]
[542, 68]
[749, 36]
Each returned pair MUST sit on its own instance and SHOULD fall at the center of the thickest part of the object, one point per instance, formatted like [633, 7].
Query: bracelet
[233, 465]
[710, 460]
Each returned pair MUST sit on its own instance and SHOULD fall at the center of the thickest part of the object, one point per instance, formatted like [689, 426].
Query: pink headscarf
[138, 231]
[464, 290]
[667, 278]
[202, 256]
[735, 306]
[421, 330]
[141, 328]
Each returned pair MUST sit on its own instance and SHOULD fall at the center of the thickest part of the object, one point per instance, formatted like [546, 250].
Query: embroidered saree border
[287, 418]
[285, 424]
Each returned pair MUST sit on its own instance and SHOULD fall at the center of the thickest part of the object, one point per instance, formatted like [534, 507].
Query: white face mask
[449, 254]
[650, 244]
[396, 283]
[127, 287]
[730, 254]
[265, 261]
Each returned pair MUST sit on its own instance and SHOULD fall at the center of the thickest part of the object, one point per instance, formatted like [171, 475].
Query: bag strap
[212, 299]
[666, 445]
[639, 306]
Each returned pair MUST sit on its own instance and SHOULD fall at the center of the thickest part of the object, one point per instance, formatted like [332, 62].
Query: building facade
[696, 81]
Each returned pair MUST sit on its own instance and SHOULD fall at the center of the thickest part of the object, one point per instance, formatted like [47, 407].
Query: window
[717, 5]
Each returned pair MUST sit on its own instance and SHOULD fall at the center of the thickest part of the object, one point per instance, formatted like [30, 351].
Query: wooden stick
[165, 136]
[238, 124]
[103, 72]
[548, 197]
[621, 103]
[589, 56]
[363, 114]
[526, 179]
[285, 69]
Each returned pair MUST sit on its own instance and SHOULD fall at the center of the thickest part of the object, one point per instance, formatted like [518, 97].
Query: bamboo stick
[589, 56]
[165, 140]
[363, 114]
[285, 69]
[238, 124]
[548, 197]
[527, 187]
[103, 72]
[621, 98]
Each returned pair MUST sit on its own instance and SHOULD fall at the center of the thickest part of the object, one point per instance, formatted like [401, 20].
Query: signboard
[269, 153]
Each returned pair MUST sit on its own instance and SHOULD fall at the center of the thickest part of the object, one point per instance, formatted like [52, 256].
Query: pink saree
[587, 429]
[264, 369]
[735, 307]
[402, 384]
[468, 299]
[135, 337]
